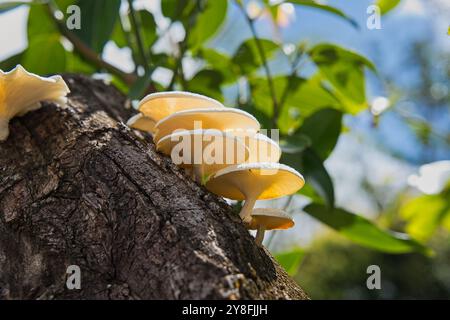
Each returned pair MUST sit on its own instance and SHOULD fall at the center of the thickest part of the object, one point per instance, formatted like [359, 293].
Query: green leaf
[327, 53]
[295, 143]
[208, 22]
[118, 35]
[148, 28]
[323, 128]
[425, 214]
[329, 9]
[305, 96]
[247, 56]
[310, 165]
[291, 260]
[207, 82]
[263, 101]
[177, 9]
[98, 19]
[386, 5]
[344, 70]
[45, 55]
[40, 23]
[220, 62]
[362, 231]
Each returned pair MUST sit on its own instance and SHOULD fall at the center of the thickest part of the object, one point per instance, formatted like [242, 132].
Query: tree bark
[77, 187]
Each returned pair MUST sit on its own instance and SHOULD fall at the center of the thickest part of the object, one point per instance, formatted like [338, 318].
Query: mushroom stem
[247, 208]
[260, 234]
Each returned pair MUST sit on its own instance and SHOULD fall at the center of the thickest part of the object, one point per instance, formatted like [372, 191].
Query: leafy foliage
[96, 32]
[426, 213]
[308, 109]
[362, 231]
[290, 260]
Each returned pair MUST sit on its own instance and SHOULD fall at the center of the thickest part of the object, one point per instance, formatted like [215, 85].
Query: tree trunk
[77, 187]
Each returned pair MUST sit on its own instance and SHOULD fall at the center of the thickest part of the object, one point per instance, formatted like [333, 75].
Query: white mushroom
[224, 119]
[263, 219]
[22, 92]
[205, 151]
[142, 123]
[162, 104]
[255, 181]
[262, 148]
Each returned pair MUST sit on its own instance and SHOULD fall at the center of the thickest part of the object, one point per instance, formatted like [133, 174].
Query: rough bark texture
[77, 187]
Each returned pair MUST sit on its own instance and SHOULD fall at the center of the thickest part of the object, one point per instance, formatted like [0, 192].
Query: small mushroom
[162, 104]
[263, 219]
[255, 181]
[22, 92]
[203, 151]
[223, 119]
[262, 148]
[142, 123]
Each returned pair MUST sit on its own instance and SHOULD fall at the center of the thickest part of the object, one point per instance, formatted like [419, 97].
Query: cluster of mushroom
[252, 173]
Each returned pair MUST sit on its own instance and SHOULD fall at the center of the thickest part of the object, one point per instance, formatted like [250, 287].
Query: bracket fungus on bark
[263, 219]
[225, 119]
[22, 92]
[142, 123]
[257, 175]
[262, 148]
[205, 151]
[159, 105]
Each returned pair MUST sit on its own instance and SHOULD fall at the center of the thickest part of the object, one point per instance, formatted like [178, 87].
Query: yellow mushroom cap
[141, 122]
[262, 148]
[207, 139]
[264, 180]
[224, 119]
[162, 104]
[271, 219]
[22, 91]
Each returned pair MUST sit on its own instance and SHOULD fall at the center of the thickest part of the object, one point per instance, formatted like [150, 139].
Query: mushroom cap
[271, 219]
[22, 92]
[162, 104]
[141, 122]
[262, 148]
[266, 180]
[223, 142]
[224, 119]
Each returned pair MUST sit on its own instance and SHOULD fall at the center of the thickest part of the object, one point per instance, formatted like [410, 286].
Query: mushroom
[263, 219]
[262, 148]
[142, 123]
[204, 151]
[162, 104]
[255, 181]
[22, 92]
[223, 119]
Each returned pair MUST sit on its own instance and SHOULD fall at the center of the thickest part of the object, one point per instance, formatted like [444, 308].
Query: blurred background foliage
[253, 55]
